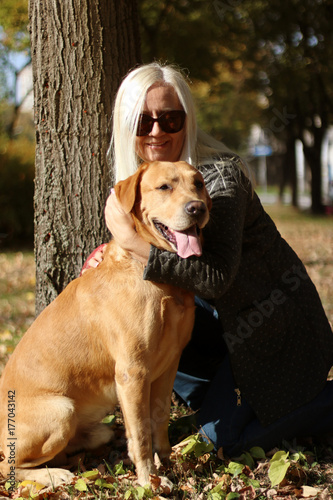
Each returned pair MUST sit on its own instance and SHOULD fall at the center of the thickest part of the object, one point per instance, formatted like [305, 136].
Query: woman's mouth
[156, 144]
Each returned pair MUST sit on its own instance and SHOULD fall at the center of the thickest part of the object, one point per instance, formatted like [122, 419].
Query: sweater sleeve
[210, 275]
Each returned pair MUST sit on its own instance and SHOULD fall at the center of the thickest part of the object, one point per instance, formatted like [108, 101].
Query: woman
[256, 367]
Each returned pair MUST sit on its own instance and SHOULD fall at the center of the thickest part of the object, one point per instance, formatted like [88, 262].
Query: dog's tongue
[188, 242]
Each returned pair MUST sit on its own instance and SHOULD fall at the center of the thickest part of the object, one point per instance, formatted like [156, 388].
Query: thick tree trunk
[80, 51]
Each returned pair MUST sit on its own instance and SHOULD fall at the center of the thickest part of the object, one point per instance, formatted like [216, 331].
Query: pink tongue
[188, 242]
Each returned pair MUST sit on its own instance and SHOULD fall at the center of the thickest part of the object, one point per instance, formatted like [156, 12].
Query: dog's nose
[195, 208]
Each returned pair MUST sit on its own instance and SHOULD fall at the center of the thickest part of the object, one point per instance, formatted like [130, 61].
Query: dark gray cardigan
[279, 339]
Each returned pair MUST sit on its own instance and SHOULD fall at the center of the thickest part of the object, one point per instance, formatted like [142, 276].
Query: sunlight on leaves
[30, 489]
[90, 474]
[81, 485]
[119, 469]
[234, 468]
[101, 483]
[196, 445]
[278, 468]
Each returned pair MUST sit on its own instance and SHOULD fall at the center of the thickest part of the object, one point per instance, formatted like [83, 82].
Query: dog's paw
[48, 477]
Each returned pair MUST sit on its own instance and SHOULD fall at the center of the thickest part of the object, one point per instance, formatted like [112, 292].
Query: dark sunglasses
[170, 122]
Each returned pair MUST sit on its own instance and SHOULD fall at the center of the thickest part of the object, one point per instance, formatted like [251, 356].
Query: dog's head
[169, 204]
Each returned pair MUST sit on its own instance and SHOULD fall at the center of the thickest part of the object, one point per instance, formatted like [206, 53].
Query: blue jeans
[210, 388]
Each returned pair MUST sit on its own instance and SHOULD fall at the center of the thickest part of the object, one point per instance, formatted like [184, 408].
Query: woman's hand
[122, 228]
[94, 259]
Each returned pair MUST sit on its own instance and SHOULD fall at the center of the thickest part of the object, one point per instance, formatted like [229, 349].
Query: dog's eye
[164, 187]
[199, 184]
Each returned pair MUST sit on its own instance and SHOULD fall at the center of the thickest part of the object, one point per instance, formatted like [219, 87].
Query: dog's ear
[126, 190]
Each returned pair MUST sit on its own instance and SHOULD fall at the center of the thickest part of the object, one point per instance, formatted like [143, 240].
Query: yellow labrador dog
[109, 336]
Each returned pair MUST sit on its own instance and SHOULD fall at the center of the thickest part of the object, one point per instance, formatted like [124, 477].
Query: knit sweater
[279, 339]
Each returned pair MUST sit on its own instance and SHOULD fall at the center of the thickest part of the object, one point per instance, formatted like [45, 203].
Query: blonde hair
[130, 99]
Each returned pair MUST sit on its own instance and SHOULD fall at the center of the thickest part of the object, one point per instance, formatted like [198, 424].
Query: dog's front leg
[160, 403]
[133, 387]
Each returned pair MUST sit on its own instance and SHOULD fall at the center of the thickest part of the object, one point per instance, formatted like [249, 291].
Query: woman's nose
[156, 130]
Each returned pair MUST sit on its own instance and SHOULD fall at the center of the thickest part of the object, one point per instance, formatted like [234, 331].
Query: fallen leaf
[271, 493]
[278, 468]
[166, 485]
[324, 495]
[81, 485]
[248, 493]
[185, 487]
[32, 484]
[102, 469]
[155, 481]
[309, 491]
[91, 474]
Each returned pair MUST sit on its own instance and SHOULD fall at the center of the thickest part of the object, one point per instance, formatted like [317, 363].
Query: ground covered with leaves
[294, 470]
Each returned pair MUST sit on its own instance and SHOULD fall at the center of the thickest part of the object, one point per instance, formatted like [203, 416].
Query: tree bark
[80, 51]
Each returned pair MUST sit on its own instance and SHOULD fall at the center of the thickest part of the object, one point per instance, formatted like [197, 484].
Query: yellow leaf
[33, 484]
[91, 474]
[80, 485]
[30, 489]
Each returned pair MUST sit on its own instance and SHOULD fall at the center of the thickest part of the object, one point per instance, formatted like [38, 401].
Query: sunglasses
[170, 122]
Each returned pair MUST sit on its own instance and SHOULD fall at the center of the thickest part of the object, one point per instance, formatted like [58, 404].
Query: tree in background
[291, 44]
[80, 51]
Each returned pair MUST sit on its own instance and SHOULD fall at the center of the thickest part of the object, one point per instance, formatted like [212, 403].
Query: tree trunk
[291, 155]
[313, 157]
[80, 51]
[289, 175]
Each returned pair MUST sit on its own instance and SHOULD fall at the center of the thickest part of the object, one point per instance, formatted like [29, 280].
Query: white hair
[129, 103]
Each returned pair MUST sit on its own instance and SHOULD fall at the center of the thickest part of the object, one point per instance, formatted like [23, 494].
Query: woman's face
[159, 145]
